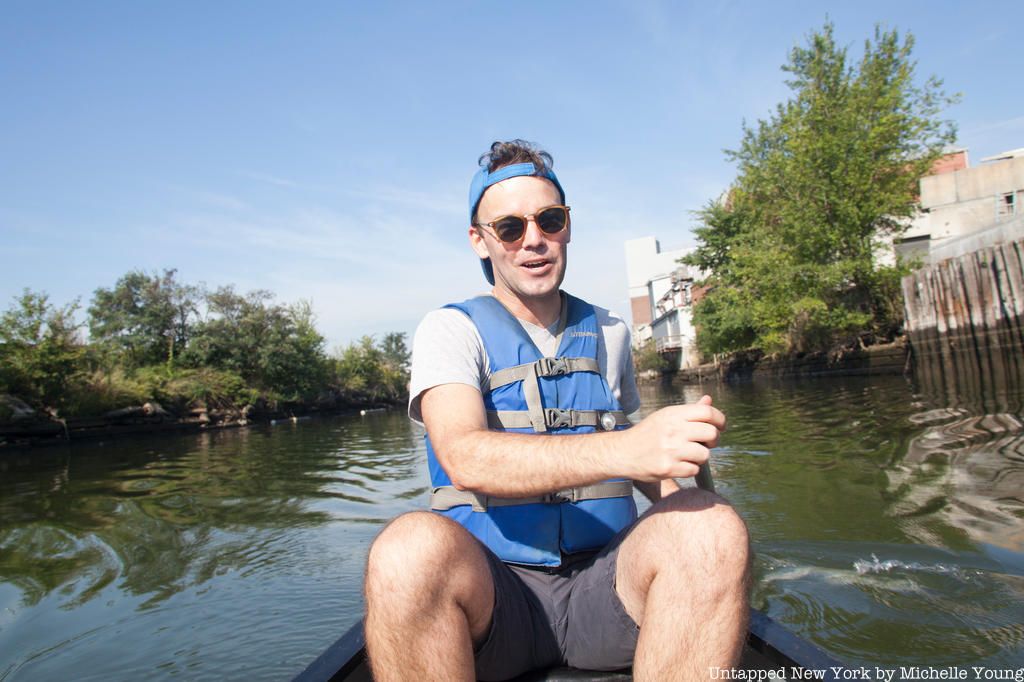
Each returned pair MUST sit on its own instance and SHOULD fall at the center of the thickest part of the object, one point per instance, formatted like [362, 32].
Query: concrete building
[661, 299]
[958, 201]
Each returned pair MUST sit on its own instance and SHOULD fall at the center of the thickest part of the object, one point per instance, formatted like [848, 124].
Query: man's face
[532, 268]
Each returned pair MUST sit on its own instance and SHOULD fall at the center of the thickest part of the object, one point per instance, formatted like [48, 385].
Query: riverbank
[28, 428]
[876, 360]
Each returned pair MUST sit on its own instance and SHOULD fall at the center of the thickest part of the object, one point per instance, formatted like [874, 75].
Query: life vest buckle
[552, 367]
[559, 496]
[555, 418]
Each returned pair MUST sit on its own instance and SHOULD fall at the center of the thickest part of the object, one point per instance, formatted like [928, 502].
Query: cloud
[996, 126]
[397, 253]
[446, 202]
[269, 179]
[651, 17]
[209, 198]
[375, 269]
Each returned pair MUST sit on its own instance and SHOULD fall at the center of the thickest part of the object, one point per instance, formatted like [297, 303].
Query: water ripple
[889, 565]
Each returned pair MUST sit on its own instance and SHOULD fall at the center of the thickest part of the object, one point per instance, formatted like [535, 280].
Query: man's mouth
[534, 264]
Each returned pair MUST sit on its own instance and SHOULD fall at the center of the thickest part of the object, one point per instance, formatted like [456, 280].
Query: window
[1006, 204]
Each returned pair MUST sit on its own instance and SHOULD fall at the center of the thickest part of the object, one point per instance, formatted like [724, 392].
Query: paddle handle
[703, 478]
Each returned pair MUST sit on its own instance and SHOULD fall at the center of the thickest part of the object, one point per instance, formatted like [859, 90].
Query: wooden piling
[965, 320]
[969, 296]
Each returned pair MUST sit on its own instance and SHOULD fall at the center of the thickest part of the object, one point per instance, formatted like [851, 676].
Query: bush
[367, 370]
[212, 388]
[648, 359]
[149, 343]
[40, 351]
[101, 391]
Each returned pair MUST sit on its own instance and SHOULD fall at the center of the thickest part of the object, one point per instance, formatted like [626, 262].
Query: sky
[323, 150]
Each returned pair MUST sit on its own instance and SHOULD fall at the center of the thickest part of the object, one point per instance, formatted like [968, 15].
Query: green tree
[360, 369]
[396, 353]
[648, 359]
[822, 184]
[40, 349]
[272, 346]
[144, 319]
[377, 371]
[396, 364]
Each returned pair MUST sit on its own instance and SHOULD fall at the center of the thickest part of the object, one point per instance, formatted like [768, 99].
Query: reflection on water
[886, 515]
[972, 438]
[931, 606]
[233, 553]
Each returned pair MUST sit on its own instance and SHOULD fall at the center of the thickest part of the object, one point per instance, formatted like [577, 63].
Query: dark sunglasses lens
[510, 228]
[551, 220]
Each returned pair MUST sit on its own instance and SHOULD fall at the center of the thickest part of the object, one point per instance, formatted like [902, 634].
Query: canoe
[772, 652]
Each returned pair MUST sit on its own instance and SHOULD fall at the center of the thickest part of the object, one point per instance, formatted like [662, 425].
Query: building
[960, 203]
[661, 295]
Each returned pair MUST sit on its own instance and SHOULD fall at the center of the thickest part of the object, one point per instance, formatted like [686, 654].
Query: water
[887, 517]
[887, 530]
[233, 554]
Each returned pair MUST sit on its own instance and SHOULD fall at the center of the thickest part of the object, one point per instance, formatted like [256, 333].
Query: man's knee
[416, 539]
[699, 526]
[419, 551]
[420, 567]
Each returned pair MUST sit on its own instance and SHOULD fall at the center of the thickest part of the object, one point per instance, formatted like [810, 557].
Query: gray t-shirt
[447, 349]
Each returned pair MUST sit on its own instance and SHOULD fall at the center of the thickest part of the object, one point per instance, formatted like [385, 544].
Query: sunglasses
[511, 228]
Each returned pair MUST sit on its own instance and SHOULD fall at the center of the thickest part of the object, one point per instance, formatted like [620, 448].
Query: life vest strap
[529, 374]
[545, 367]
[445, 497]
[554, 418]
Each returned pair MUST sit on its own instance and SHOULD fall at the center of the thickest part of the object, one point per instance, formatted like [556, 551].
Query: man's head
[516, 181]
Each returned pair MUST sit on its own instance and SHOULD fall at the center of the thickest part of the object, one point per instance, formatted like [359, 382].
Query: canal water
[887, 516]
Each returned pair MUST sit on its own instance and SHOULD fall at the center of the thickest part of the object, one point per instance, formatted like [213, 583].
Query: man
[531, 557]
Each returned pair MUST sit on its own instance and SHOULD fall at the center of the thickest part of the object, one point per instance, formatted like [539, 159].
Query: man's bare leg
[429, 599]
[682, 575]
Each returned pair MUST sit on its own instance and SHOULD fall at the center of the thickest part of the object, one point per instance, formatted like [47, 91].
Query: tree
[396, 362]
[821, 184]
[396, 353]
[272, 346]
[40, 349]
[648, 359]
[376, 371]
[144, 319]
[360, 368]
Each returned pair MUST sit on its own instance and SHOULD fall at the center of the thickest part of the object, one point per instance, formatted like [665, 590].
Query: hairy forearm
[657, 490]
[522, 465]
[672, 442]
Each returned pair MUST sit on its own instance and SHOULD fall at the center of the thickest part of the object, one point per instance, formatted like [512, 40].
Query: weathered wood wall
[976, 296]
[965, 322]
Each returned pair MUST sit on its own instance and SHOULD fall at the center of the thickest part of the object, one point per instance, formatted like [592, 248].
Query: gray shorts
[543, 619]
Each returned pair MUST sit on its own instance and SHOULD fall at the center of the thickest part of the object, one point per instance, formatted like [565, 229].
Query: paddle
[703, 477]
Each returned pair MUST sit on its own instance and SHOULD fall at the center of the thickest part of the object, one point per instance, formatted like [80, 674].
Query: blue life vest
[557, 396]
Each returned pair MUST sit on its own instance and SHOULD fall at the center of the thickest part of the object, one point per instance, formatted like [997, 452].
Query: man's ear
[476, 240]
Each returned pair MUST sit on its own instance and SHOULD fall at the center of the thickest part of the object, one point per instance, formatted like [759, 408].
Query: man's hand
[673, 442]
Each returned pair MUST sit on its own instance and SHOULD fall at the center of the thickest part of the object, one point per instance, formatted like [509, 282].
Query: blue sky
[323, 150]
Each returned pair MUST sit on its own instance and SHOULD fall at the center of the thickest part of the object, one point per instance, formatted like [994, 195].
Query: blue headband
[482, 180]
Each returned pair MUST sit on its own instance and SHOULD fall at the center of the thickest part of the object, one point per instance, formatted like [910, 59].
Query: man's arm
[671, 443]
[656, 491]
